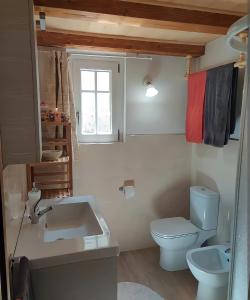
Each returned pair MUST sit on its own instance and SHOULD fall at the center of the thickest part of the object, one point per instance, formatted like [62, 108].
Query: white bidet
[210, 266]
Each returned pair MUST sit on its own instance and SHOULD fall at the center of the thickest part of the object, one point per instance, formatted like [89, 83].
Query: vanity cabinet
[19, 96]
[90, 279]
[72, 253]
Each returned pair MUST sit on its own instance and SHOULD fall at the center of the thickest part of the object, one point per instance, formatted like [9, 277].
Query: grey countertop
[45, 254]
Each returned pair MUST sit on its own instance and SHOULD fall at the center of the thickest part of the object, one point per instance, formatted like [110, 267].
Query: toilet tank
[204, 207]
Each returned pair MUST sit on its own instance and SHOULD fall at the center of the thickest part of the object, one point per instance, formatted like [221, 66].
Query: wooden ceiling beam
[146, 15]
[116, 44]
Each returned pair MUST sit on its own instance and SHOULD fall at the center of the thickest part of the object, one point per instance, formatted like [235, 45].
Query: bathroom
[142, 175]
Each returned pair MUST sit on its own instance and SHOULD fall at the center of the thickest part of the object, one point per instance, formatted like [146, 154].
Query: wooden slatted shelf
[54, 142]
[53, 123]
[48, 174]
[55, 193]
[52, 182]
[45, 164]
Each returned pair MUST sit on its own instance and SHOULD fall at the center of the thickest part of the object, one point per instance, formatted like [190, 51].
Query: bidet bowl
[210, 266]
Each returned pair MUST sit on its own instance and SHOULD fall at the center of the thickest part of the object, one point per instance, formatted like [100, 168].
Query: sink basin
[71, 220]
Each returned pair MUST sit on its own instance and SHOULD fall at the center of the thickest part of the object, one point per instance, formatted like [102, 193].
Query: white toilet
[176, 236]
[210, 266]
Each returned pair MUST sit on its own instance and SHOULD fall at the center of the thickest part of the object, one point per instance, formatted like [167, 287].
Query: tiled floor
[142, 266]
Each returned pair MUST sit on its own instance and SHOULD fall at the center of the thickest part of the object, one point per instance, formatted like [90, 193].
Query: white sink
[71, 220]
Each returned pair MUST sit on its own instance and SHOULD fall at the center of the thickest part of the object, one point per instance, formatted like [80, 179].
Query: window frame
[116, 67]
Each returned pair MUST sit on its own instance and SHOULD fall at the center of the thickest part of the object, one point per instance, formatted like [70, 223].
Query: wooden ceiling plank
[73, 40]
[232, 7]
[151, 15]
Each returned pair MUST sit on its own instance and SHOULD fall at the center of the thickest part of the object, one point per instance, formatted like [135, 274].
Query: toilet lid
[173, 227]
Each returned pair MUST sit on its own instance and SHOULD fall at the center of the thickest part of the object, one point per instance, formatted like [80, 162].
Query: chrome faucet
[228, 250]
[36, 214]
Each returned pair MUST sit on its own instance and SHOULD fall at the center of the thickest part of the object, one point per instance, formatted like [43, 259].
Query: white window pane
[88, 80]
[103, 81]
[88, 116]
[103, 113]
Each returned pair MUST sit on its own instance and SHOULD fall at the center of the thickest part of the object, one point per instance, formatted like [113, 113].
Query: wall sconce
[151, 91]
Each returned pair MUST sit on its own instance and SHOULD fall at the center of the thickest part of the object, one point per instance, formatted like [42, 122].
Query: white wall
[216, 167]
[164, 113]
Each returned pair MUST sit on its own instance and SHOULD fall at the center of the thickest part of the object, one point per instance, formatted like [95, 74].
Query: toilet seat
[170, 228]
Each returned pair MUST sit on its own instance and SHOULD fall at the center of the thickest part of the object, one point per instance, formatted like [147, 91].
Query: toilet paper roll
[128, 189]
[129, 192]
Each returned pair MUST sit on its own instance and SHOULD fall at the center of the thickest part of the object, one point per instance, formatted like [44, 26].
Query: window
[98, 94]
[96, 102]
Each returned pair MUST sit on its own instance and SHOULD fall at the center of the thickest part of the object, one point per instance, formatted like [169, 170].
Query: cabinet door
[19, 97]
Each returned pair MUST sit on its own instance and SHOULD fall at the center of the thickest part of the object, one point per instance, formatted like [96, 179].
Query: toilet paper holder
[126, 183]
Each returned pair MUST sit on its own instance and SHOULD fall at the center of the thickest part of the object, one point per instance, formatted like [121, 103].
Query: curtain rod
[42, 48]
[214, 66]
[110, 56]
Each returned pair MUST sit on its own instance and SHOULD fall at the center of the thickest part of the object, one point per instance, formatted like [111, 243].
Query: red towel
[195, 107]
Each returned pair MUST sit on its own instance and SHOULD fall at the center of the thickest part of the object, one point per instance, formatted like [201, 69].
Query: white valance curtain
[56, 88]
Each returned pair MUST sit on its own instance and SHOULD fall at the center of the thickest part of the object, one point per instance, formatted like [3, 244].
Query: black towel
[234, 100]
[22, 284]
[220, 89]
